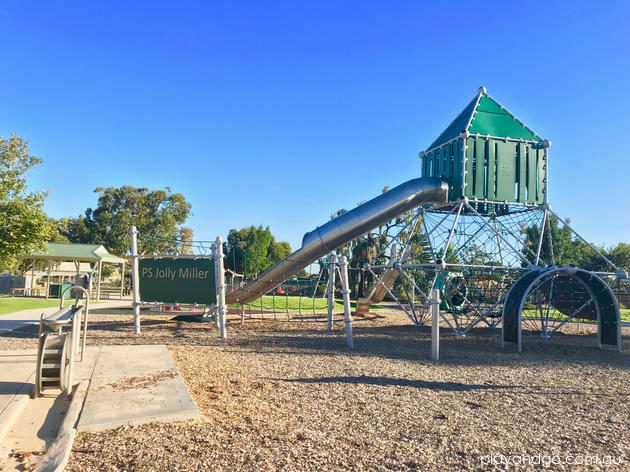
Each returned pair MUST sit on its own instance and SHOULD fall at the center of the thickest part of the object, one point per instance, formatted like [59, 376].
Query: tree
[253, 250]
[566, 248]
[186, 240]
[24, 226]
[620, 255]
[157, 214]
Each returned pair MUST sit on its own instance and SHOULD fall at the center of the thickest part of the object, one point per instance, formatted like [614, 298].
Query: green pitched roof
[76, 252]
[485, 116]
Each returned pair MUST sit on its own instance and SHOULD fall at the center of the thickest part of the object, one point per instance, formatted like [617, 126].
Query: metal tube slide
[344, 228]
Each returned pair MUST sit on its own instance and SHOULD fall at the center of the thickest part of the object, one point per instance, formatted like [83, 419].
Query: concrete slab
[135, 385]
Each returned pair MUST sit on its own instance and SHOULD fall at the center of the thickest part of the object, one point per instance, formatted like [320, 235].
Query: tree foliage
[252, 250]
[24, 226]
[157, 214]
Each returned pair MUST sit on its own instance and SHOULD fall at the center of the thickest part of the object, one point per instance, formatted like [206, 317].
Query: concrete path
[19, 319]
[135, 385]
[17, 379]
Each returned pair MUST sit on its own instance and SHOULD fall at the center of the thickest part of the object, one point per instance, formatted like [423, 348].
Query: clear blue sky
[279, 113]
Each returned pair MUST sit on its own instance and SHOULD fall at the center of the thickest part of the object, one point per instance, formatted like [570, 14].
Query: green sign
[177, 281]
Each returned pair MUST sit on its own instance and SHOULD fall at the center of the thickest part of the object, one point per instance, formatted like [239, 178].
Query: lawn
[11, 305]
[293, 304]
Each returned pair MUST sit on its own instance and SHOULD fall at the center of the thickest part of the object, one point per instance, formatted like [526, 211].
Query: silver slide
[339, 231]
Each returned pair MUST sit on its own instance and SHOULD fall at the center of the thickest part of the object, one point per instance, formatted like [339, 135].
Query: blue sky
[279, 113]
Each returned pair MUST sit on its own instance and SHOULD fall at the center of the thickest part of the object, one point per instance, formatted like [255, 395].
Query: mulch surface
[280, 395]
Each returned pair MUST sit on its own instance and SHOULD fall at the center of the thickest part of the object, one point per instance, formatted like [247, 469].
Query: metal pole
[217, 316]
[435, 324]
[135, 279]
[220, 276]
[345, 290]
[546, 145]
[331, 289]
[542, 234]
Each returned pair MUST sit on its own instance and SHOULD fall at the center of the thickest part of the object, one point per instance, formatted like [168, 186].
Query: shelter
[78, 253]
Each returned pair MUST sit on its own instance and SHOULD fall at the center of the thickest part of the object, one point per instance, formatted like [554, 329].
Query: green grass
[531, 311]
[293, 304]
[11, 305]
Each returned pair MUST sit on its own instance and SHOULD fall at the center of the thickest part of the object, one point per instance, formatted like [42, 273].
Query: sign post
[135, 279]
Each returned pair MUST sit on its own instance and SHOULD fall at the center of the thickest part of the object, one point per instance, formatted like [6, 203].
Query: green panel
[491, 166]
[177, 280]
[531, 181]
[469, 167]
[456, 180]
[479, 174]
[457, 127]
[506, 172]
[491, 119]
[446, 160]
[523, 173]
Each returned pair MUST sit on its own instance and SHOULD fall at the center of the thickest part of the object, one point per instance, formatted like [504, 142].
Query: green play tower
[489, 155]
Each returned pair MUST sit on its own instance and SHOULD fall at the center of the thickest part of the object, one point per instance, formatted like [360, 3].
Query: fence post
[135, 278]
[220, 278]
[435, 324]
[331, 289]
[345, 290]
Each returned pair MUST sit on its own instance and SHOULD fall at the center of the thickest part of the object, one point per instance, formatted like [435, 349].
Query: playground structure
[61, 336]
[476, 226]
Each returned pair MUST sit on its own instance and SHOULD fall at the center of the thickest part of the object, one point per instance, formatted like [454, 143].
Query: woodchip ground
[290, 396]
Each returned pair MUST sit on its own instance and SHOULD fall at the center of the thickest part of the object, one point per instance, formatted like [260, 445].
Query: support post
[135, 279]
[546, 145]
[435, 324]
[48, 281]
[542, 235]
[220, 278]
[345, 290]
[98, 287]
[122, 279]
[217, 316]
[331, 289]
